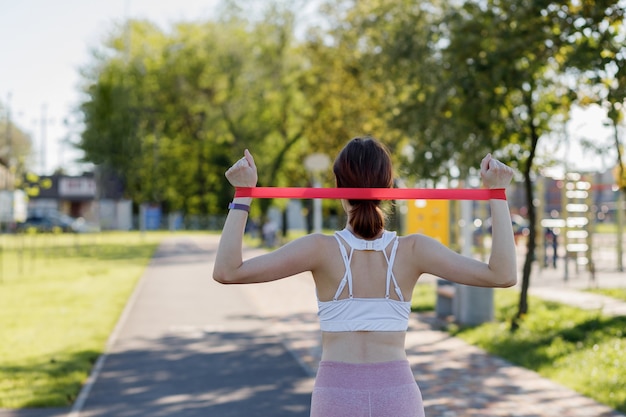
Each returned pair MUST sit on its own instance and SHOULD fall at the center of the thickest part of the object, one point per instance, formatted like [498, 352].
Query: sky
[44, 43]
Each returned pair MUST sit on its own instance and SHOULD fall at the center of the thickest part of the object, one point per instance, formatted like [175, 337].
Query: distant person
[252, 228]
[270, 230]
[551, 244]
[364, 276]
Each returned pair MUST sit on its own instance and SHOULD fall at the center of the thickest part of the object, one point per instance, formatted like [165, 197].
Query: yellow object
[430, 218]
[619, 179]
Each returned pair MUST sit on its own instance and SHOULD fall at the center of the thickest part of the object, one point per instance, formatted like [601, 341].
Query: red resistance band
[373, 193]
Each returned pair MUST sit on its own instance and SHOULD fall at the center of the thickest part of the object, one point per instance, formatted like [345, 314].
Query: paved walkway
[551, 284]
[187, 346]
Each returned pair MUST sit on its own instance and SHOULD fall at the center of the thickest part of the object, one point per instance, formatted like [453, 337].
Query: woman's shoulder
[418, 251]
[318, 240]
[418, 241]
[417, 237]
[318, 247]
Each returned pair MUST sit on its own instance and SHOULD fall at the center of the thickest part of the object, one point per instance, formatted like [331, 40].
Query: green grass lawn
[60, 297]
[424, 297]
[578, 349]
[619, 293]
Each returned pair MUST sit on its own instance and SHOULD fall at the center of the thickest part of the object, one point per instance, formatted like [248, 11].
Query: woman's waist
[363, 347]
[364, 376]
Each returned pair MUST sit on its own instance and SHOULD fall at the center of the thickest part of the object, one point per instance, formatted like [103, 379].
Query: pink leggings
[385, 389]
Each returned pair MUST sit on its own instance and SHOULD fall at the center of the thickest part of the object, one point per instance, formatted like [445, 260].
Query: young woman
[364, 277]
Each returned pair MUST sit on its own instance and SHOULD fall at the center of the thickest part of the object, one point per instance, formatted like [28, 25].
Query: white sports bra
[365, 314]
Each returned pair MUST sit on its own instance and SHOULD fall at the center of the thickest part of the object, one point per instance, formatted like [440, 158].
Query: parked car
[520, 228]
[53, 221]
[520, 225]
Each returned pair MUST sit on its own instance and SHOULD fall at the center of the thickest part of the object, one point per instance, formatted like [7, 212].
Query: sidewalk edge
[97, 368]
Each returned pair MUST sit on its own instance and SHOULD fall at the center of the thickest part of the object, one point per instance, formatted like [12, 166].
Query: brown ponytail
[364, 163]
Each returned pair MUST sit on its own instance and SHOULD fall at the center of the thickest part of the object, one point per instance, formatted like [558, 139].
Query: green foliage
[441, 84]
[32, 185]
[598, 60]
[15, 144]
[506, 62]
[377, 70]
[579, 349]
[170, 112]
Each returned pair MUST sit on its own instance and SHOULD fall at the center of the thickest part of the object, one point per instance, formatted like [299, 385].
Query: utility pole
[7, 148]
[127, 31]
[42, 146]
[9, 132]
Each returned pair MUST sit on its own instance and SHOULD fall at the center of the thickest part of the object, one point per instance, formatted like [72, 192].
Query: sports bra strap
[347, 277]
[390, 275]
[361, 244]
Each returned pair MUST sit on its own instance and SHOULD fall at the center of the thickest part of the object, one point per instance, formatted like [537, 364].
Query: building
[97, 199]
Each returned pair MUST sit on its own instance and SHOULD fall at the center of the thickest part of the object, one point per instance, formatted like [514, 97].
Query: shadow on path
[199, 373]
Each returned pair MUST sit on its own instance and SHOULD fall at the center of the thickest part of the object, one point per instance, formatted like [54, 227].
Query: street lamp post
[315, 164]
[472, 305]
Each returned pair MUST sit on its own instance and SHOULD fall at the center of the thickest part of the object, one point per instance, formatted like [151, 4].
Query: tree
[15, 145]
[598, 59]
[501, 56]
[600, 63]
[171, 111]
[263, 105]
[343, 83]
[379, 74]
[112, 111]
[513, 89]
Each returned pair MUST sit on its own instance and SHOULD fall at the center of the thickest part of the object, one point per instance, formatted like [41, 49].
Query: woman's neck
[351, 230]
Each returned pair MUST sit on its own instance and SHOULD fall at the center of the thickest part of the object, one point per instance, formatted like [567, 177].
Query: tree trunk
[532, 219]
[620, 183]
[530, 252]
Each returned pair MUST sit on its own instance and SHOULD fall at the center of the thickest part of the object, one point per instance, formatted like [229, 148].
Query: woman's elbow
[507, 281]
[222, 277]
